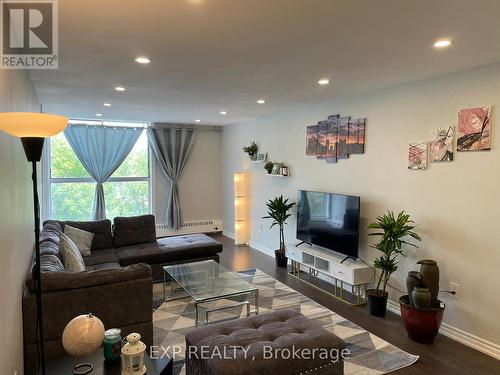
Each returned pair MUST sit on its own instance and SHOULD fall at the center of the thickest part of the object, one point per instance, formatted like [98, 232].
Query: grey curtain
[101, 150]
[172, 148]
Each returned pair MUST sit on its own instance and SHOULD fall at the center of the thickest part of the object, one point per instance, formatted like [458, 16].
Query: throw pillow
[73, 261]
[81, 238]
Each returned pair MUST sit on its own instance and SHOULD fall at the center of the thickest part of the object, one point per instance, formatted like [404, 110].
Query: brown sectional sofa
[116, 285]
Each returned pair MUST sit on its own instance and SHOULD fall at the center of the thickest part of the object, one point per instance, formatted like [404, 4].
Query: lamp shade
[32, 124]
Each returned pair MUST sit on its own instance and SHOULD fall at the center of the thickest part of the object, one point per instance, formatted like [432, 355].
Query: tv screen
[329, 220]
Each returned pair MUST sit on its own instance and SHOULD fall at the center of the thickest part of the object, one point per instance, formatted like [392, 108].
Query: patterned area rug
[370, 355]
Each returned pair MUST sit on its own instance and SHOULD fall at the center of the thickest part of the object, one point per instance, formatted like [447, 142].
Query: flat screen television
[329, 220]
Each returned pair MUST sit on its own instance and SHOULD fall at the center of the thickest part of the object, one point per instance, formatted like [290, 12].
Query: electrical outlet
[454, 287]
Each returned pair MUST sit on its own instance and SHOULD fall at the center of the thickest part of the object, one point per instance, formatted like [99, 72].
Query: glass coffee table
[207, 281]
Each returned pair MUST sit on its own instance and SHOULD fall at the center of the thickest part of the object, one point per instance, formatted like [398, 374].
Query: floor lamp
[33, 128]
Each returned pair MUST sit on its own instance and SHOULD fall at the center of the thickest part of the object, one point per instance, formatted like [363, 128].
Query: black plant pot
[281, 260]
[377, 303]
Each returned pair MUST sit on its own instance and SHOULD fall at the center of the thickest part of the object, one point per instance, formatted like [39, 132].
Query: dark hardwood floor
[444, 356]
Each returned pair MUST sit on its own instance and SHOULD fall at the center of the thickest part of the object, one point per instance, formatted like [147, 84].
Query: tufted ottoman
[279, 342]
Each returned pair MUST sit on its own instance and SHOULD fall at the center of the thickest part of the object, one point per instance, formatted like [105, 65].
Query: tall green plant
[394, 232]
[277, 209]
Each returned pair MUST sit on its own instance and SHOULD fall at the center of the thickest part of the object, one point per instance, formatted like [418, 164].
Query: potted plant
[277, 209]
[251, 150]
[269, 167]
[394, 232]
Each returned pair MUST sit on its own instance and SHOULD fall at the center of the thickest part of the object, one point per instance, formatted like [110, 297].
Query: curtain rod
[115, 127]
[109, 124]
[207, 128]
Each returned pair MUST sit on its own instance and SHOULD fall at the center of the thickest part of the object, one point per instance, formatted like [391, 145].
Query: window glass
[72, 188]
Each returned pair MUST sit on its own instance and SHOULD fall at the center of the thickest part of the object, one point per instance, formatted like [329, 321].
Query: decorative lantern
[133, 356]
[284, 170]
[82, 336]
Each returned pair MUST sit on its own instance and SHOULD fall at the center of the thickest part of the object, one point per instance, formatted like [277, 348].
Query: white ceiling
[213, 55]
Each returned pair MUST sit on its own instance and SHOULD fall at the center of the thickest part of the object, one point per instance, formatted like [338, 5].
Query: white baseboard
[228, 234]
[261, 248]
[466, 338]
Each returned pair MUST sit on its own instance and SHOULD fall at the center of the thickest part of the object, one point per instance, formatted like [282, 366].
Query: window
[319, 205]
[71, 189]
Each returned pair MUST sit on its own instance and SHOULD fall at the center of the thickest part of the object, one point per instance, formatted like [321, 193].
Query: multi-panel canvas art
[418, 156]
[473, 134]
[474, 129]
[441, 145]
[336, 138]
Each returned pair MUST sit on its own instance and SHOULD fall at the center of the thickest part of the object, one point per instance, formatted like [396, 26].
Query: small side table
[64, 365]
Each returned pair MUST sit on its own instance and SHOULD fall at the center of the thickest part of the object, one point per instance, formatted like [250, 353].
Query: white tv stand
[319, 262]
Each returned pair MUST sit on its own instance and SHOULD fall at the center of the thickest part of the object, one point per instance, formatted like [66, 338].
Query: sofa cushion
[50, 257]
[103, 266]
[169, 249]
[101, 257]
[50, 263]
[279, 330]
[134, 230]
[50, 233]
[81, 238]
[72, 258]
[103, 238]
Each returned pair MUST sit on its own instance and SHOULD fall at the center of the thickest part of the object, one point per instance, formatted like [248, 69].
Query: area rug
[370, 355]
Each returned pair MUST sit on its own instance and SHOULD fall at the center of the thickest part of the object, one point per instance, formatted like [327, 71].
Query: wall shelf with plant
[277, 169]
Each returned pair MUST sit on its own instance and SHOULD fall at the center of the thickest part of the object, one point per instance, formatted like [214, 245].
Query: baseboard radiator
[190, 227]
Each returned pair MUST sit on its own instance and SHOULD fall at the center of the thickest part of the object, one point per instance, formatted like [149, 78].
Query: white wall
[200, 187]
[456, 204]
[16, 220]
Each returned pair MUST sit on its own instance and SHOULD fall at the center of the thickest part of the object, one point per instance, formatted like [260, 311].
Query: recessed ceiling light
[223, 113]
[261, 101]
[107, 104]
[197, 120]
[324, 81]
[98, 114]
[442, 43]
[120, 88]
[142, 60]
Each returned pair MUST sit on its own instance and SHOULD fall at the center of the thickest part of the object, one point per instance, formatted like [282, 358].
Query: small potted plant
[251, 150]
[269, 167]
[277, 209]
[394, 231]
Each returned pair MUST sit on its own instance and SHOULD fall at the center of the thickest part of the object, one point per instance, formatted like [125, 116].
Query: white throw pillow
[73, 261]
[81, 238]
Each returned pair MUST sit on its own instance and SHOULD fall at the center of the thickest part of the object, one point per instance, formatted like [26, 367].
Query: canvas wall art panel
[332, 139]
[474, 129]
[418, 156]
[356, 138]
[322, 139]
[441, 145]
[312, 140]
[343, 134]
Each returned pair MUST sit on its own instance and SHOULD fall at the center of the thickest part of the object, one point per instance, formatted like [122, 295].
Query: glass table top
[207, 280]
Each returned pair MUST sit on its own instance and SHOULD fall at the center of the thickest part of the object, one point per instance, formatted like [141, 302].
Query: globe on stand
[82, 336]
